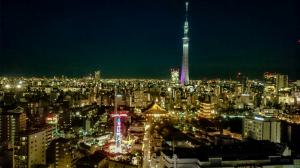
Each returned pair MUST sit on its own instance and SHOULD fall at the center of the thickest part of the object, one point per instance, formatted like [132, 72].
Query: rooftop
[247, 150]
[155, 109]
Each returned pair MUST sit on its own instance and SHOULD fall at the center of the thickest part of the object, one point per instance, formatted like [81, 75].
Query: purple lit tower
[184, 76]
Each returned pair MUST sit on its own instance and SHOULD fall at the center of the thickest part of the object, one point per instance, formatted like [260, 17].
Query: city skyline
[75, 39]
[149, 83]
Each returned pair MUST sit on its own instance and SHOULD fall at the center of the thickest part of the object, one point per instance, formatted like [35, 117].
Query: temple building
[207, 107]
[155, 111]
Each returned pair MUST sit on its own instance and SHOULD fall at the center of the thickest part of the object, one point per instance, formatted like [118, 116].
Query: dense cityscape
[94, 122]
[97, 122]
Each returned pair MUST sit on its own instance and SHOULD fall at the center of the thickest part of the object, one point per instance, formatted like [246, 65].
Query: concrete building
[30, 148]
[59, 153]
[249, 153]
[262, 128]
[11, 123]
[140, 99]
[97, 75]
[165, 161]
[270, 78]
[96, 160]
[281, 81]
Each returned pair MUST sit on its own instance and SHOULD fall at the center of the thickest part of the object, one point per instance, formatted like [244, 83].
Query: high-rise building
[281, 81]
[30, 148]
[242, 80]
[59, 153]
[52, 119]
[262, 128]
[11, 123]
[184, 76]
[97, 75]
[269, 78]
[174, 75]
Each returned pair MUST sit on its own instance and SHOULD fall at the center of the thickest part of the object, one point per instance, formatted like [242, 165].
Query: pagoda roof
[155, 109]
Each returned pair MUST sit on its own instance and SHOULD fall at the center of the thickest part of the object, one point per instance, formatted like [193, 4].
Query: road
[147, 147]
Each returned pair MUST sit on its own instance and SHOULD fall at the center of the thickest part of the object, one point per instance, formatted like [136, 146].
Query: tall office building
[184, 76]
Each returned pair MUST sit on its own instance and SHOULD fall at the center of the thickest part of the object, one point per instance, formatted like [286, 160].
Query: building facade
[262, 128]
[11, 123]
[30, 148]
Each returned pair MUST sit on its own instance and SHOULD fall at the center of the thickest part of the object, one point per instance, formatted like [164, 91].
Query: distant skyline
[143, 38]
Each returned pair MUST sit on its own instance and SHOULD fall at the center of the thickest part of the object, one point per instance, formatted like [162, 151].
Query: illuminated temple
[154, 110]
[207, 108]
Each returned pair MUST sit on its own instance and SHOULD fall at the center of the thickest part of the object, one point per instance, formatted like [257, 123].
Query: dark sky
[143, 38]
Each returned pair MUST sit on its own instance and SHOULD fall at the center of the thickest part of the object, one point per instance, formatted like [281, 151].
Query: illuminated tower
[117, 127]
[117, 115]
[184, 76]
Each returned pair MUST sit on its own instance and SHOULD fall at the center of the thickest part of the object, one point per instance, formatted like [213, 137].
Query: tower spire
[184, 76]
[186, 23]
[186, 8]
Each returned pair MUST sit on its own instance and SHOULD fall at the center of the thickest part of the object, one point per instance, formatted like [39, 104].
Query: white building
[262, 128]
[30, 149]
[165, 161]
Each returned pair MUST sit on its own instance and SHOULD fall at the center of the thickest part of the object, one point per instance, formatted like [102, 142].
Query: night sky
[143, 38]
